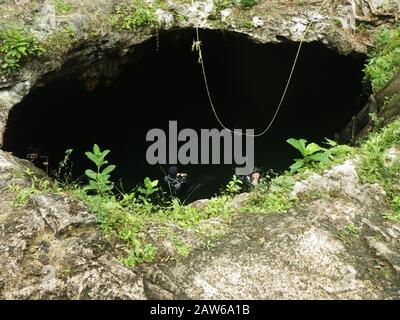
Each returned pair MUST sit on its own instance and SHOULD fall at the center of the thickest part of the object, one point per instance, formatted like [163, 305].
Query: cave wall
[99, 52]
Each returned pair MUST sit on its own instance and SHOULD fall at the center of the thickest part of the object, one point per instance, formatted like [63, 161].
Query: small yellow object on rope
[197, 46]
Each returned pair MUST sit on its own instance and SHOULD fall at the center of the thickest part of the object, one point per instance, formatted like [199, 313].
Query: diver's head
[172, 171]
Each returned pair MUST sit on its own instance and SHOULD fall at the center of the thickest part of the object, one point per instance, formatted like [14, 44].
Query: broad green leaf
[128, 197]
[22, 50]
[108, 169]
[107, 187]
[96, 149]
[319, 157]
[88, 188]
[296, 166]
[147, 182]
[105, 153]
[330, 142]
[312, 148]
[91, 174]
[91, 156]
[154, 183]
[92, 186]
[300, 145]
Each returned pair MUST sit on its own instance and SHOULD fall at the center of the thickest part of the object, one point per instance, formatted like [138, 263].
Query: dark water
[246, 81]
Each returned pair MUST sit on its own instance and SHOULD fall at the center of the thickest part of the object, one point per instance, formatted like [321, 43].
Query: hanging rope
[197, 46]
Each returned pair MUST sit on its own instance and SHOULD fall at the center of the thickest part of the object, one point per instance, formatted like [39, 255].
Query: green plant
[337, 22]
[311, 152]
[373, 166]
[396, 207]
[64, 170]
[208, 244]
[138, 13]
[66, 271]
[362, 27]
[215, 15]
[145, 192]
[234, 185]
[349, 230]
[317, 157]
[116, 219]
[17, 44]
[352, 229]
[184, 216]
[58, 43]
[181, 247]
[376, 120]
[63, 7]
[383, 58]
[247, 3]
[246, 24]
[220, 5]
[272, 196]
[23, 193]
[395, 204]
[140, 253]
[221, 207]
[99, 181]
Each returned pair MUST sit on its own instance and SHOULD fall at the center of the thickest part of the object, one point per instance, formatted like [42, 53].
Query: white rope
[197, 46]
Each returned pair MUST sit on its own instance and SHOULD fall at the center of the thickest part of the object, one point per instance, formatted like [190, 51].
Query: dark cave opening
[246, 81]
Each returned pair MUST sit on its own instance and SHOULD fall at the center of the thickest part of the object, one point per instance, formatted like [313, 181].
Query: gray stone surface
[51, 248]
[101, 58]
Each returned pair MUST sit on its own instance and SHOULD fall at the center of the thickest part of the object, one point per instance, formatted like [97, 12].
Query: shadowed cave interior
[246, 81]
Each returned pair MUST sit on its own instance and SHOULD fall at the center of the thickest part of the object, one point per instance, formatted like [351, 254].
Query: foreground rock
[337, 246]
[51, 248]
[307, 253]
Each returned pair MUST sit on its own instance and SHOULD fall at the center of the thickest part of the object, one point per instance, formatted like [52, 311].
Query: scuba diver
[38, 157]
[178, 183]
[250, 181]
[180, 186]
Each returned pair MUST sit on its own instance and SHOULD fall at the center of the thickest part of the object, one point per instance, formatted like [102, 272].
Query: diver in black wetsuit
[177, 182]
[250, 181]
[38, 157]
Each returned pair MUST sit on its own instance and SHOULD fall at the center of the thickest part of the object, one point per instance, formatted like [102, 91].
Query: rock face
[99, 52]
[304, 254]
[337, 246]
[51, 248]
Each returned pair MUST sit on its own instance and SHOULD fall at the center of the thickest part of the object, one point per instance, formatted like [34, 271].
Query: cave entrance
[246, 81]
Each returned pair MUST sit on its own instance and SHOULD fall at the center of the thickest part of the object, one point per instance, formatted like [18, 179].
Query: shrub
[99, 181]
[312, 153]
[138, 13]
[17, 44]
[384, 58]
[234, 185]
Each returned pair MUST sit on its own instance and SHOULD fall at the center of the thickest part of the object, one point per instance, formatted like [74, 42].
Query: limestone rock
[99, 52]
[51, 248]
